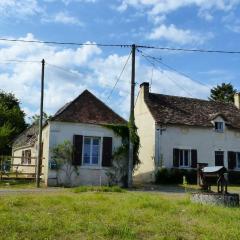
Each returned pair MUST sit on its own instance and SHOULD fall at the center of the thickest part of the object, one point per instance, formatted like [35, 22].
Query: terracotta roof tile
[190, 111]
[87, 108]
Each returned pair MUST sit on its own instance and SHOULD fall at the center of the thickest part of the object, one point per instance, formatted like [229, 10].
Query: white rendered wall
[88, 175]
[146, 131]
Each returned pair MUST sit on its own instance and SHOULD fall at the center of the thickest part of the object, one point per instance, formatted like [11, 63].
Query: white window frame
[216, 126]
[26, 160]
[91, 147]
[182, 151]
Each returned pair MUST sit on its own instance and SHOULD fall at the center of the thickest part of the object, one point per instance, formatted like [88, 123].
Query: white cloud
[75, 69]
[67, 2]
[64, 18]
[156, 7]
[176, 35]
[232, 22]
[19, 9]
[205, 15]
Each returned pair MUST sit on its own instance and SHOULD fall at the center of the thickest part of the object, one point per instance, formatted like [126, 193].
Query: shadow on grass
[165, 188]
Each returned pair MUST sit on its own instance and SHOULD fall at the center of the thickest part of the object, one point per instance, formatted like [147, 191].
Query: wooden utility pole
[131, 119]
[39, 157]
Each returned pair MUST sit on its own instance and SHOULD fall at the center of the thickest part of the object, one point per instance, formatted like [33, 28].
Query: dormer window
[218, 126]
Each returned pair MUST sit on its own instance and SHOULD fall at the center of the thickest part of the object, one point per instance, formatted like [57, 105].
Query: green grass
[97, 189]
[113, 215]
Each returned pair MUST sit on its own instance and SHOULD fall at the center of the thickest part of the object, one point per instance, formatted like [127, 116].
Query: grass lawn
[113, 215]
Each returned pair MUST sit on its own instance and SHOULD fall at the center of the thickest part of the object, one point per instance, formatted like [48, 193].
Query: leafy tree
[35, 118]
[12, 121]
[224, 93]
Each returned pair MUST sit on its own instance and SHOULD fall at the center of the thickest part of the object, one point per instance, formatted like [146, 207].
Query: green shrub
[97, 189]
[175, 176]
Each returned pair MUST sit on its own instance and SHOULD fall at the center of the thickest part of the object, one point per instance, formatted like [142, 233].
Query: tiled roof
[87, 108]
[190, 111]
[27, 138]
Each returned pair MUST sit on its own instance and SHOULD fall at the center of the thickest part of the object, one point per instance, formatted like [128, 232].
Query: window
[184, 158]
[26, 157]
[238, 160]
[91, 151]
[219, 126]
[219, 158]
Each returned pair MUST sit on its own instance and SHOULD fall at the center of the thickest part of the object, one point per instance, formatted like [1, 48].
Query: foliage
[98, 189]
[175, 176]
[129, 216]
[62, 156]
[12, 121]
[118, 174]
[35, 118]
[224, 93]
[123, 132]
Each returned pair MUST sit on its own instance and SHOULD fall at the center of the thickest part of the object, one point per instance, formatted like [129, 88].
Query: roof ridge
[86, 91]
[193, 98]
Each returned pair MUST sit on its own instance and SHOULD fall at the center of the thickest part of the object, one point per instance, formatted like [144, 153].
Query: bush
[175, 176]
[97, 189]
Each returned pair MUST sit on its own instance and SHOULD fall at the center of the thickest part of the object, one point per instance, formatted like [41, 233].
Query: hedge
[175, 176]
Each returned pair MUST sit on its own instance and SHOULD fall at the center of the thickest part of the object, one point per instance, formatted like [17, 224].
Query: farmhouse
[82, 122]
[179, 132]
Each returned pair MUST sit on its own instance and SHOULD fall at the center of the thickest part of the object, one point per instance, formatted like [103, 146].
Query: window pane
[238, 160]
[87, 150]
[181, 158]
[219, 158]
[219, 126]
[95, 151]
[186, 158]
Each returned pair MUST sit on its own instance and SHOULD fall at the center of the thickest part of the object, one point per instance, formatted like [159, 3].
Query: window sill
[92, 167]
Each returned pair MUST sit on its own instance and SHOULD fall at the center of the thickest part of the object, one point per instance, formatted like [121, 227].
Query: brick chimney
[237, 100]
[144, 89]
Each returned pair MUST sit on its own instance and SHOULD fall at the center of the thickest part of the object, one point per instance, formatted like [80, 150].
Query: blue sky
[70, 69]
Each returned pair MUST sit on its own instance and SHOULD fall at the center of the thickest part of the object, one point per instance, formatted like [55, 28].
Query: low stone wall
[230, 199]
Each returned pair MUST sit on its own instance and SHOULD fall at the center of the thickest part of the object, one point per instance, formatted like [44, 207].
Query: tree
[35, 118]
[62, 158]
[224, 93]
[12, 121]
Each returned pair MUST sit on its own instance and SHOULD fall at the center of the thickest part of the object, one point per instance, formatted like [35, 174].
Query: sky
[193, 24]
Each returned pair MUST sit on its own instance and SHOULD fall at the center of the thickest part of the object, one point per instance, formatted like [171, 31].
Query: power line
[19, 61]
[123, 45]
[65, 43]
[120, 75]
[171, 79]
[63, 69]
[159, 60]
[189, 50]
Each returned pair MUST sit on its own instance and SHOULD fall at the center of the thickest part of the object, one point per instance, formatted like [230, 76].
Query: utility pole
[131, 119]
[39, 157]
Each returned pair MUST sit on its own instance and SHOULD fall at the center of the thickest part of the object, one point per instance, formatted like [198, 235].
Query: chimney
[144, 87]
[237, 100]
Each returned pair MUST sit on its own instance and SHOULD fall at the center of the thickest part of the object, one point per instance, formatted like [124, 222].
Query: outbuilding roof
[168, 109]
[27, 138]
[87, 108]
